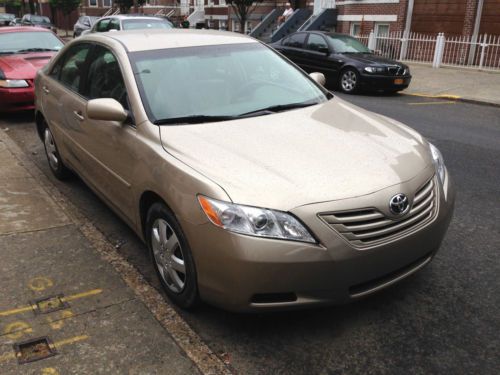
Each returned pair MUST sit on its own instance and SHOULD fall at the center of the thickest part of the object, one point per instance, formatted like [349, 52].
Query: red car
[23, 50]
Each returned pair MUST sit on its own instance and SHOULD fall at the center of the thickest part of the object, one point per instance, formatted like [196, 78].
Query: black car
[344, 61]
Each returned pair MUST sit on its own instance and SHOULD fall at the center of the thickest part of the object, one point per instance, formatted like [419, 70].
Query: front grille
[368, 226]
[395, 70]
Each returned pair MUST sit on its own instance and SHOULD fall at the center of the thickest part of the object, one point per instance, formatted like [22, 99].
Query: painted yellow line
[67, 298]
[8, 356]
[71, 340]
[432, 103]
[440, 96]
[92, 292]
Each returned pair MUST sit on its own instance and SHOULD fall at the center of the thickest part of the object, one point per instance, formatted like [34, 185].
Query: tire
[349, 81]
[56, 165]
[171, 256]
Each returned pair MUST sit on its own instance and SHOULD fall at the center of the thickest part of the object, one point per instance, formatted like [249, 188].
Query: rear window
[146, 24]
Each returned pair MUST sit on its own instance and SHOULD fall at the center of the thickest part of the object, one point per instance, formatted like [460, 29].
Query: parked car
[23, 50]
[129, 22]
[6, 19]
[83, 23]
[40, 21]
[15, 22]
[345, 62]
[253, 187]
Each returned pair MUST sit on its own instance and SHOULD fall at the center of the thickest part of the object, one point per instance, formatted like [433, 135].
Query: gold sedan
[253, 187]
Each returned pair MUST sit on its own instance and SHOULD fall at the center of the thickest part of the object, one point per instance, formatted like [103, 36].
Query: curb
[207, 362]
[452, 97]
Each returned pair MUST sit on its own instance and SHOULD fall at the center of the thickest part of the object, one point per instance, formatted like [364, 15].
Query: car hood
[371, 59]
[25, 65]
[322, 153]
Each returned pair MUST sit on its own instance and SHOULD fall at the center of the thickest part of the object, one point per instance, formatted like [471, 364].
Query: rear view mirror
[318, 78]
[106, 109]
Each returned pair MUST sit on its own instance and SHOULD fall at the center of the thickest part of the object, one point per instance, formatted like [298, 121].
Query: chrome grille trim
[368, 226]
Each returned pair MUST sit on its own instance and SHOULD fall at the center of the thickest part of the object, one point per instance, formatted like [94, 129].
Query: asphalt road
[443, 320]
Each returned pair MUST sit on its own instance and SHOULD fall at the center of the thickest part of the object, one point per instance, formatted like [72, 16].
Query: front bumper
[17, 99]
[244, 273]
[380, 82]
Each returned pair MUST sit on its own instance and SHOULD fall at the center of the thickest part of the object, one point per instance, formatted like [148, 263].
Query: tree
[125, 5]
[242, 9]
[66, 6]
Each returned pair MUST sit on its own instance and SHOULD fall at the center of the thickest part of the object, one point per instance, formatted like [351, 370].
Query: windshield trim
[133, 57]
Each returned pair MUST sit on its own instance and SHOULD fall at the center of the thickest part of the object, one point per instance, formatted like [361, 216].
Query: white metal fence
[483, 53]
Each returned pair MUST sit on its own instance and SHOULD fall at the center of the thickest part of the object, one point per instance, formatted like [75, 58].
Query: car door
[317, 56]
[108, 146]
[293, 48]
[63, 105]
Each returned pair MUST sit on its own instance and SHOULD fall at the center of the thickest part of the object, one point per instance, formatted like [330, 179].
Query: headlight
[406, 71]
[374, 69]
[254, 221]
[438, 162]
[13, 83]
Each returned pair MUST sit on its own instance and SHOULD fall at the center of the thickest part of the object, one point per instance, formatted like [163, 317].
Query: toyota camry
[253, 186]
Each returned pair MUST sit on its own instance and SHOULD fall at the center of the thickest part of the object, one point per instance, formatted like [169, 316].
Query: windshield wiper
[36, 50]
[278, 108]
[194, 119]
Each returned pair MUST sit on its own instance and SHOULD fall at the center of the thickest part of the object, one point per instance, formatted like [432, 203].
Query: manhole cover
[50, 304]
[34, 350]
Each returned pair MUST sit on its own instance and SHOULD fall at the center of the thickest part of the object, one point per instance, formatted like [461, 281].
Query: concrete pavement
[57, 287]
[451, 83]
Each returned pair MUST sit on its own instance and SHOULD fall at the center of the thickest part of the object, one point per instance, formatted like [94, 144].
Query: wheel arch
[40, 124]
[147, 199]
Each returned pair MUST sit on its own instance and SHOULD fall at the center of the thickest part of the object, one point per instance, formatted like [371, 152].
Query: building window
[107, 3]
[92, 3]
[381, 29]
[355, 28]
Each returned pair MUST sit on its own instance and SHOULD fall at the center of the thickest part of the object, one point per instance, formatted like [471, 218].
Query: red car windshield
[25, 42]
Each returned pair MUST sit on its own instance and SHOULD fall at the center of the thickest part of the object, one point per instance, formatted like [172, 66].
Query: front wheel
[171, 256]
[55, 163]
[349, 81]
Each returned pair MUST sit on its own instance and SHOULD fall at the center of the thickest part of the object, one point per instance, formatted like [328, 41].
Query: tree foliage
[66, 6]
[242, 9]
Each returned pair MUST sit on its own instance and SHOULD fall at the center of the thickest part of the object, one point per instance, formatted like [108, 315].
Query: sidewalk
[462, 84]
[56, 285]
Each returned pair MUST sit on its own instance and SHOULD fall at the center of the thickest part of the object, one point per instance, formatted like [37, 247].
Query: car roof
[21, 29]
[145, 40]
[133, 16]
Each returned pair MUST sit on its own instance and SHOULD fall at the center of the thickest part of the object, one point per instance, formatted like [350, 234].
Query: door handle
[79, 115]
[45, 89]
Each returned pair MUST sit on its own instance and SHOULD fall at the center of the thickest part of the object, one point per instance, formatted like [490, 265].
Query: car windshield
[146, 24]
[346, 44]
[39, 19]
[28, 42]
[220, 82]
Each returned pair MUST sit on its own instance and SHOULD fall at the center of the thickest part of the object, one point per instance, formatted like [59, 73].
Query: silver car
[253, 187]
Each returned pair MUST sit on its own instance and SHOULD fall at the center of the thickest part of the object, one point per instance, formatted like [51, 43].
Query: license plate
[398, 81]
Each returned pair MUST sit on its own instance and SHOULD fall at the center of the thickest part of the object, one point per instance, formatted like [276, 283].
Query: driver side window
[316, 43]
[102, 26]
[72, 67]
[104, 79]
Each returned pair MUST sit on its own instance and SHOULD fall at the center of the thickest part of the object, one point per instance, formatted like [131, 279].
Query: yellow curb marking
[16, 330]
[432, 103]
[440, 96]
[49, 371]
[40, 283]
[68, 298]
[7, 356]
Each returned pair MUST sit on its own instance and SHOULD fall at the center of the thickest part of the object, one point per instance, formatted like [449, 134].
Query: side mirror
[106, 109]
[318, 78]
[324, 50]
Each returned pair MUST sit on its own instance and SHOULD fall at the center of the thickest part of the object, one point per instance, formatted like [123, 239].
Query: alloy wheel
[50, 149]
[349, 81]
[168, 255]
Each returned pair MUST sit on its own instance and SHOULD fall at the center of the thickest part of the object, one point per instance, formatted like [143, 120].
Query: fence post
[372, 43]
[483, 50]
[404, 47]
[438, 51]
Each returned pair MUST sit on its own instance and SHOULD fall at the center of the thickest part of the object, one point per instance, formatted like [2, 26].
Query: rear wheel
[55, 163]
[171, 256]
[349, 81]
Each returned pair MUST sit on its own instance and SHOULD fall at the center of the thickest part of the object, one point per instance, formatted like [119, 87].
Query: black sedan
[344, 61]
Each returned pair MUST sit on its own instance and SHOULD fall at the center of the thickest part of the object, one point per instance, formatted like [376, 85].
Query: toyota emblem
[399, 204]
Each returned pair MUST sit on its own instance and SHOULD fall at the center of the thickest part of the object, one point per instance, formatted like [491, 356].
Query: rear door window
[296, 40]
